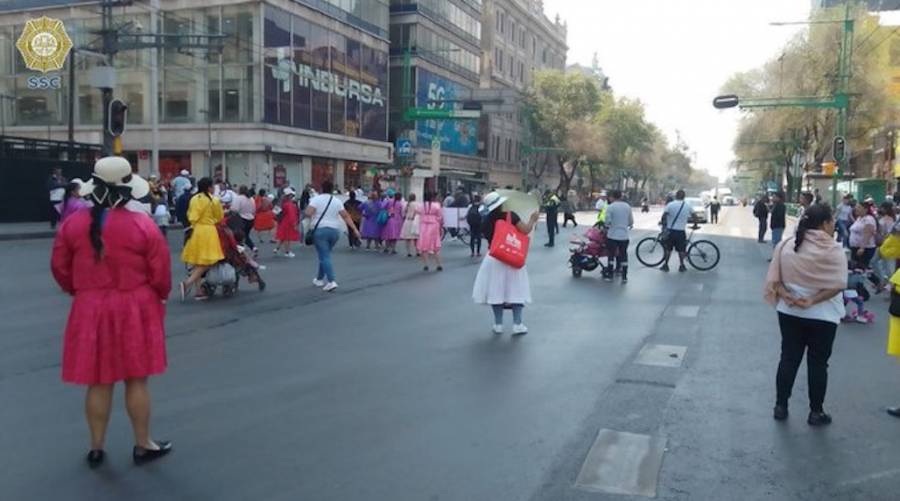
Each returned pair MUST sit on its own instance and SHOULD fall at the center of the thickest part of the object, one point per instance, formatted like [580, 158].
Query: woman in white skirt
[410, 230]
[497, 283]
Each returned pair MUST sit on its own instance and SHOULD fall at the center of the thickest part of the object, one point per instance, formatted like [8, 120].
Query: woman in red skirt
[116, 266]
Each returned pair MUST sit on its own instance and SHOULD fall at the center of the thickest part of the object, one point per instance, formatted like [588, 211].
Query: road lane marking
[686, 311]
[661, 355]
[622, 463]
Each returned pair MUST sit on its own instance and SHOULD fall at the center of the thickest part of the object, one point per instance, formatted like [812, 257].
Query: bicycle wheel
[650, 252]
[703, 255]
[463, 235]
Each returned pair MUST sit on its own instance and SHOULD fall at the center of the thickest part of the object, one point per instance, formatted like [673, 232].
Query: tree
[556, 109]
[808, 66]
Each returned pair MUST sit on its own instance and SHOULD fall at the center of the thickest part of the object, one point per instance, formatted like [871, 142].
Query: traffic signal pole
[840, 101]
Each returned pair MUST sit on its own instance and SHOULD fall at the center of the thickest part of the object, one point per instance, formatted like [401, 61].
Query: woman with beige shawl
[804, 284]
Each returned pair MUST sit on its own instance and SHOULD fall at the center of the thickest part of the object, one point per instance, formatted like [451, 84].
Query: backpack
[473, 217]
[382, 217]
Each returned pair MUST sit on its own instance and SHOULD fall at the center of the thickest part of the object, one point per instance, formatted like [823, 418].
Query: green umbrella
[523, 204]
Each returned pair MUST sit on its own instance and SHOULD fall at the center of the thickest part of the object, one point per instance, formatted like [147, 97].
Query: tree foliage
[604, 139]
[768, 139]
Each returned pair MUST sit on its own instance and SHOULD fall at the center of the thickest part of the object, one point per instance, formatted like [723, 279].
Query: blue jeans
[324, 239]
[843, 231]
[776, 235]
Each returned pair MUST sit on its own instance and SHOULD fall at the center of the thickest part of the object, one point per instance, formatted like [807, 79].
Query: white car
[698, 210]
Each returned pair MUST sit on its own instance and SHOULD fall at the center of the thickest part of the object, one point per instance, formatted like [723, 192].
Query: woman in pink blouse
[431, 220]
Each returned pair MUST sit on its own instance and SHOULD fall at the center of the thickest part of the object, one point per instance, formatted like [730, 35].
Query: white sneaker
[519, 329]
[290, 254]
[318, 283]
[498, 329]
[262, 267]
[330, 286]
[275, 251]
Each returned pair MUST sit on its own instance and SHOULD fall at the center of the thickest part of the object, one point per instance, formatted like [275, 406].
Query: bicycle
[461, 234]
[703, 255]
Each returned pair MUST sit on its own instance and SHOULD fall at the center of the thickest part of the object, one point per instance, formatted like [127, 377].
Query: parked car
[698, 210]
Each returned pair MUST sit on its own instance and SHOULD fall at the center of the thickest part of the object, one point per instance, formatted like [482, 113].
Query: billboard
[457, 136]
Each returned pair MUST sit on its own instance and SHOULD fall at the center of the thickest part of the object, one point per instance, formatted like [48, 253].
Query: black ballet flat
[95, 458]
[142, 455]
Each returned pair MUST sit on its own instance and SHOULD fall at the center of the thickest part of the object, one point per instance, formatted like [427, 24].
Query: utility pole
[840, 101]
[208, 142]
[4, 97]
[114, 39]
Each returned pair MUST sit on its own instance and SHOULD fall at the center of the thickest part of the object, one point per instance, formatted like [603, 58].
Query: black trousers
[762, 228]
[475, 239]
[248, 227]
[714, 217]
[552, 225]
[54, 215]
[816, 338]
[568, 216]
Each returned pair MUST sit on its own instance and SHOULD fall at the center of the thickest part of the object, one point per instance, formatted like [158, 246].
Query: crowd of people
[112, 256]
[830, 262]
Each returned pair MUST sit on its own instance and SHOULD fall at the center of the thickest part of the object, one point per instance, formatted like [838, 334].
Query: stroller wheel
[228, 290]
[576, 271]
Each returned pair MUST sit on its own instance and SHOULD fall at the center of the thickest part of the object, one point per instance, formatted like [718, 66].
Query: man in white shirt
[245, 207]
[844, 219]
[675, 219]
[619, 220]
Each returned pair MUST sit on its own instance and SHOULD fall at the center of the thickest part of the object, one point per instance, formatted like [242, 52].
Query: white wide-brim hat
[491, 201]
[185, 173]
[289, 191]
[116, 171]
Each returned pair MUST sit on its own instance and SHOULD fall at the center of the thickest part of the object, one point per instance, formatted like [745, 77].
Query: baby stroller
[226, 273]
[586, 251]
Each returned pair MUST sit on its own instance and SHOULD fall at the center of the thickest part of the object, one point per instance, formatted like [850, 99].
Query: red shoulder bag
[509, 245]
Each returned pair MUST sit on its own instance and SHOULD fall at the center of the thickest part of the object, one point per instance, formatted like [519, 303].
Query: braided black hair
[203, 186]
[814, 217]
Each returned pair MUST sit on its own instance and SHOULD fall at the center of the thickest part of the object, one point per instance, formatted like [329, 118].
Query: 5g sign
[44, 82]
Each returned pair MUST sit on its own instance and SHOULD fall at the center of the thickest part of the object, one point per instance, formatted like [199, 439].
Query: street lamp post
[208, 141]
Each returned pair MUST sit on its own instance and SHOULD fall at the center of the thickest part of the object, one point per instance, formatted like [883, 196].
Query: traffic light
[840, 148]
[118, 115]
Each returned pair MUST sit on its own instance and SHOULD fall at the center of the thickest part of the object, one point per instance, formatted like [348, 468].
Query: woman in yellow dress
[203, 249]
[890, 249]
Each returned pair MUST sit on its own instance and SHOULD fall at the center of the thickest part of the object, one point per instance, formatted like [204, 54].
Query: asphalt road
[394, 388]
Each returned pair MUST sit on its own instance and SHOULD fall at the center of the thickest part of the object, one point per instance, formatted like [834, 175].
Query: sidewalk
[25, 231]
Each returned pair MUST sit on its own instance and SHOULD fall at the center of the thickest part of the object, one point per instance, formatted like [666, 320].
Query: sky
[675, 55]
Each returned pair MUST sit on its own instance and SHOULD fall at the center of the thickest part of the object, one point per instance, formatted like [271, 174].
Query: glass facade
[282, 69]
[369, 15]
[318, 79]
[192, 84]
[446, 13]
[425, 43]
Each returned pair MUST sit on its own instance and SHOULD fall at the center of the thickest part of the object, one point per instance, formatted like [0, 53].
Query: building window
[500, 21]
[499, 59]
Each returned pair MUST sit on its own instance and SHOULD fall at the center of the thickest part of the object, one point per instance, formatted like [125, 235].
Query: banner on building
[456, 136]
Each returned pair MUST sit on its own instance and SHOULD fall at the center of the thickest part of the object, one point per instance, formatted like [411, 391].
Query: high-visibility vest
[601, 217]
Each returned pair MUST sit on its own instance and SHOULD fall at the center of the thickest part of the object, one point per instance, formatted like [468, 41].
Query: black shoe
[142, 455]
[424, 268]
[664, 268]
[894, 411]
[818, 418]
[682, 268]
[548, 245]
[95, 458]
[440, 268]
[780, 413]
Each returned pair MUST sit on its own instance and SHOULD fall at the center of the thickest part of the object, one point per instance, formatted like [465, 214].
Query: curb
[34, 235]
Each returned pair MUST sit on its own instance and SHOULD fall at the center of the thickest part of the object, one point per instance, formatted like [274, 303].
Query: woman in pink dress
[431, 220]
[115, 264]
[391, 232]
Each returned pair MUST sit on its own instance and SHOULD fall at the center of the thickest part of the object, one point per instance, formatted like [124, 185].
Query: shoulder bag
[509, 245]
[311, 233]
[666, 233]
